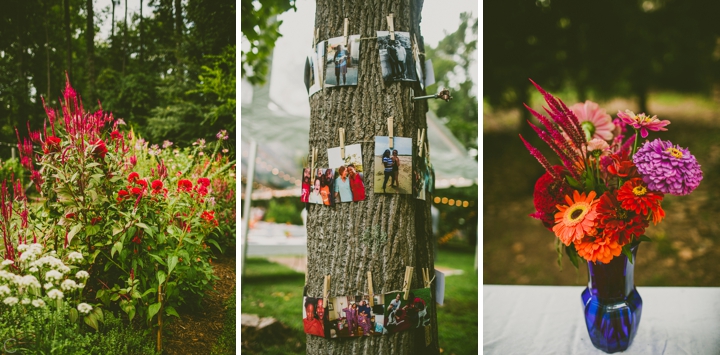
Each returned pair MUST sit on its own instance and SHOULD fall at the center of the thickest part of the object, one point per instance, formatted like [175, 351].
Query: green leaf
[116, 248]
[147, 228]
[172, 262]
[170, 311]
[157, 258]
[573, 183]
[74, 230]
[213, 242]
[558, 248]
[152, 310]
[161, 276]
[152, 289]
[91, 320]
[572, 254]
[73, 315]
[131, 313]
[644, 238]
[627, 252]
[97, 311]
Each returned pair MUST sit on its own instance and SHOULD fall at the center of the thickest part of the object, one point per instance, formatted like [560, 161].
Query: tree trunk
[334, 233]
[68, 38]
[124, 45]
[90, 47]
[112, 22]
[47, 52]
[141, 31]
[178, 31]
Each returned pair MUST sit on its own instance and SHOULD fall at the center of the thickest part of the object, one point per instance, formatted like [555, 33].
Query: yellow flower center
[575, 214]
[639, 190]
[674, 152]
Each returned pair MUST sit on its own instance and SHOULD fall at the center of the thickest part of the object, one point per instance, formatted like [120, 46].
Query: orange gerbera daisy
[577, 218]
[602, 248]
[635, 196]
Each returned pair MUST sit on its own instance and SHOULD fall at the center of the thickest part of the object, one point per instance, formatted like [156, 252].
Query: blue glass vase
[612, 304]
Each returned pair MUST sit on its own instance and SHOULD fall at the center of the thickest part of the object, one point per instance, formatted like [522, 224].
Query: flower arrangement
[610, 186]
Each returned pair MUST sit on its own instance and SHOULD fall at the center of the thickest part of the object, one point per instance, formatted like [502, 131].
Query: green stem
[636, 142]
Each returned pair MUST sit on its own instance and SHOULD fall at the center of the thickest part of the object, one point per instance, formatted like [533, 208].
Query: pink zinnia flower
[594, 121]
[597, 144]
[643, 122]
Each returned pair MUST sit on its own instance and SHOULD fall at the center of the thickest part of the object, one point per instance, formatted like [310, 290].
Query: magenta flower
[667, 168]
[643, 122]
[594, 121]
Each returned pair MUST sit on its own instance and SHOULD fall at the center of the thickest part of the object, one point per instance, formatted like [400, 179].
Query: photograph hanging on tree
[396, 57]
[401, 315]
[312, 78]
[320, 56]
[418, 63]
[305, 186]
[321, 190]
[343, 321]
[313, 316]
[421, 177]
[393, 166]
[342, 61]
[349, 184]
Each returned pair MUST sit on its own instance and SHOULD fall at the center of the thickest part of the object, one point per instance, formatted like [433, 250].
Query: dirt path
[196, 332]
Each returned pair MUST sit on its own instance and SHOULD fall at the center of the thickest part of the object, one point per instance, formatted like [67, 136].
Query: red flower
[617, 223]
[100, 150]
[70, 215]
[133, 177]
[52, 144]
[142, 183]
[122, 194]
[157, 185]
[204, 181]
[136, 191]
[95, 220]
[622, 166]
[137, 240]
[115, 135]
[201, 190]
[184, 185]
[548, 194]
[635, 196]
[209, 216]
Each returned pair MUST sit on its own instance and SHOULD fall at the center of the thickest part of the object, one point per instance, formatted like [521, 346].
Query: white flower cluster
[75, 257]
[30, 252]
[84, 308]
[55, 294]
[69, 285]
[5, 263]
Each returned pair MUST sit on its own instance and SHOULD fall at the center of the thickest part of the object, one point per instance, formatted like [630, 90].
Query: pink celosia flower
[595, 121]
[597, 144]
[643, 122]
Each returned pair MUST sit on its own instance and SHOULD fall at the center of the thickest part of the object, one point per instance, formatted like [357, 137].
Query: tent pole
[248, 199]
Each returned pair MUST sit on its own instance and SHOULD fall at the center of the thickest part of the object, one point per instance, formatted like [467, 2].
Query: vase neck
[614, 280]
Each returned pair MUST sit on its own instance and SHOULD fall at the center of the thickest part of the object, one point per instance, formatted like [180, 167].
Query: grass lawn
[272, 290]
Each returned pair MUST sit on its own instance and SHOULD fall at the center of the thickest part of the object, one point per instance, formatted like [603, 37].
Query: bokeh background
[660, 57]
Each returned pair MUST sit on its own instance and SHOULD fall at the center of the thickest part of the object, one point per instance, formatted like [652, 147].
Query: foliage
[283, 212]
[226, 342]
[142, 216]
[259, 25]
[452, 59]
[11, 168]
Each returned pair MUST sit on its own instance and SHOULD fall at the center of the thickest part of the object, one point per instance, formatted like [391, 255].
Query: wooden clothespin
[316, 36]
[313, 158]
[421, 142]
[427, 151]
[346, 24]
[391, 26]
[341, 131]
[326, 289]
[390, 131]
[408, 281]
[370, 288]
[426, 277]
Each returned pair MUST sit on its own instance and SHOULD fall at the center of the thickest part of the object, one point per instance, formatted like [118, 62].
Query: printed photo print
[349, 184]
[312, 78]
[343, 61]
[401, 315]
[351, 317]
[393, 166]
[314, 316]
[320, 56]
[305, 186]
[421, 177]
[396, 57]
[321, 190]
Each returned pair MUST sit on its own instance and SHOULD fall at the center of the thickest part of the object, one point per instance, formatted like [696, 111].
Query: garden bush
[139, 218]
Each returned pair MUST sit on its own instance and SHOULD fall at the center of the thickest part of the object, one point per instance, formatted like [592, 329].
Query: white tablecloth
[549, 320]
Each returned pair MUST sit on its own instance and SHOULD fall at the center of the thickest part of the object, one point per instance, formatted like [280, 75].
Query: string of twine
[393, 291]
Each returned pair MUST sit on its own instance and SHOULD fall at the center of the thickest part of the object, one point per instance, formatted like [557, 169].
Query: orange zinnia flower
[577, 219]
[601, 249]
[635, 196]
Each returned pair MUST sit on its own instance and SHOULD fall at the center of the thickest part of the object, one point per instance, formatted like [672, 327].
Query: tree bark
[47, 52]
[178, 31]
[334, 233]
[68, 38]
[90, 47]
[124, 45]
[141, 31]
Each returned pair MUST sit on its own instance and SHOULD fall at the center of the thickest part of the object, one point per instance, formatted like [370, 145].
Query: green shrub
[285, 212]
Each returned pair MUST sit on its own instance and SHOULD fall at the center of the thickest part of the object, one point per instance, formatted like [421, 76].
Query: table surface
[549, 320]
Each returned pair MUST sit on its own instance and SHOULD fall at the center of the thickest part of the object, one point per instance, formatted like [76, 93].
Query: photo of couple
[393, 165]
[322, 191]
[397, 59]
[412, 313]
[349, 184]
[352, 317]
[314, 316]
[342, 62]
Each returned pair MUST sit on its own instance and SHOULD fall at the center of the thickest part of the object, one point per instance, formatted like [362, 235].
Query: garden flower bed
[120, 229]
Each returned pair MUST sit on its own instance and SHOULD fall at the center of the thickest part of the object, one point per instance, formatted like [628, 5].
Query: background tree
[334, 234]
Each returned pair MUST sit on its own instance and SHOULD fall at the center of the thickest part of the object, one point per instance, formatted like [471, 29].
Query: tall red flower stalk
[6, 214]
